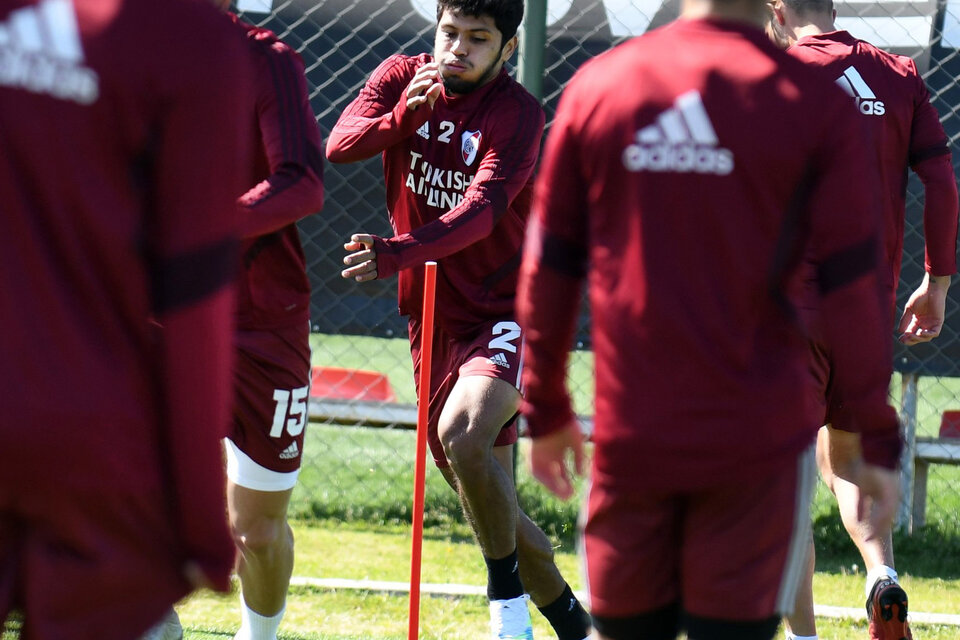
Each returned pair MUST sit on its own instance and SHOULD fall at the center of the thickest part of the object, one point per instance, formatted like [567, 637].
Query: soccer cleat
[510, 619]
[167, 629]
[887, 611]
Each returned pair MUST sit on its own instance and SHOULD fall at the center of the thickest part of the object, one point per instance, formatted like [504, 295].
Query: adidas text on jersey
[682, 140]
[866, 100]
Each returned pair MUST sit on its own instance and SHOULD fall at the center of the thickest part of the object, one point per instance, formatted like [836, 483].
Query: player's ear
[509, 48]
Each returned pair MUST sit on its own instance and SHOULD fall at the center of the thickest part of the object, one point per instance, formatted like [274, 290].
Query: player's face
[469, 51]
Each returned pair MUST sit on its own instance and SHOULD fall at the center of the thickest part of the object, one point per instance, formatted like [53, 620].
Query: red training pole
[419, 474]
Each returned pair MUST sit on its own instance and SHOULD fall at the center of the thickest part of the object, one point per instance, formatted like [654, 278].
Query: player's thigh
[746, 543]
[486, 396]
[252, 510]
[272, 388]
[631, 555]
[478, 409]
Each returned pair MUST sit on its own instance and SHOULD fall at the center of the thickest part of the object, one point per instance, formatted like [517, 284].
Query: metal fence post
[533, 40]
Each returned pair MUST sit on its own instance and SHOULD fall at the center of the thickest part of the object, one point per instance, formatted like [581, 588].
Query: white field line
[824, 611]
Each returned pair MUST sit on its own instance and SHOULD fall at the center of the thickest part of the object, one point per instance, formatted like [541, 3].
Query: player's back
[893, 102]
[696, 181]
[273, 290]
[92, 93]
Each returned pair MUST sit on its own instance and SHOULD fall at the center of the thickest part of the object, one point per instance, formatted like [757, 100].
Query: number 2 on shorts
[510, 331]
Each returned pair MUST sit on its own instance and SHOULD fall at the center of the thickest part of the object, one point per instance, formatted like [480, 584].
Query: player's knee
[463, 448]
[262, 535]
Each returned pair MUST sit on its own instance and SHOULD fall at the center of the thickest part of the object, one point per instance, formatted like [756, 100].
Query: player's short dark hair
[807, 8]
[506, 14]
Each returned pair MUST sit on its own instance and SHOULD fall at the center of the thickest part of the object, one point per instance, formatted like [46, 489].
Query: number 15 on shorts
[291, 411]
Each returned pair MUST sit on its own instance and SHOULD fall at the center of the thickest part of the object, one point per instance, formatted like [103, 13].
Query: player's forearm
[547, 310]
[358, 136]
[855, 328]
[196, 358]
[940, 210]
[290, 194]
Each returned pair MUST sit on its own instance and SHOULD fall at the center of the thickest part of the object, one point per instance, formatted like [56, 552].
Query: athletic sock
[254, 626]
[567, 616]
[790, 636]
[503, 578]
[879, 571]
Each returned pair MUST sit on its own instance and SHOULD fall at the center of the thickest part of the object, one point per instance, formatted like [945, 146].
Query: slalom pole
[419, 474]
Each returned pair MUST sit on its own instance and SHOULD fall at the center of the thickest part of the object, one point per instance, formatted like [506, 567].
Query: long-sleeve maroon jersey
[689, 201]
[459, 184]
[895, 106]
[287, 174]
[119, 172]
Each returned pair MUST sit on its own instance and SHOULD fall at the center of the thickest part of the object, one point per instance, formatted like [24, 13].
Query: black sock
[567, 617]
[503, 578]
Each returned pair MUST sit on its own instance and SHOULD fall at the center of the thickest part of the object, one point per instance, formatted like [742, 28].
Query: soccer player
[692, 231]
[460, 139]
[272, 375]
[905, 130]
[122, 149]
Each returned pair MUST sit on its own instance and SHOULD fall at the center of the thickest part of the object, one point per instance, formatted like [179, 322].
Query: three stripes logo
[866, 100]
[500, 360]
[682, 140]
[40, 52]
[290, 452]
[424, 130]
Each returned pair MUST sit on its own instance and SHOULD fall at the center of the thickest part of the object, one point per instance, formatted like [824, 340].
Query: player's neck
[813, 29]
[747, 11]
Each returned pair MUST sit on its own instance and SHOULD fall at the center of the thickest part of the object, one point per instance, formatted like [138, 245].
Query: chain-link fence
[357, 327]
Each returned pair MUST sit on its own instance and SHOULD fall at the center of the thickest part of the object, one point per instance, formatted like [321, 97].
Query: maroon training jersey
[895, 105]
[285, 184]
[121, 151]
[458, 187]
[692, 220]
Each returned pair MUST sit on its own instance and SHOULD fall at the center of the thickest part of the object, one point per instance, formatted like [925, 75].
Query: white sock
[879, 571]
[254, 626]
[790, 636]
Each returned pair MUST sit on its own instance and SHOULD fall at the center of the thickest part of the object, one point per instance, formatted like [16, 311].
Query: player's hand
[362, 261]
[425, 87]
[923, 314]
[548, 459]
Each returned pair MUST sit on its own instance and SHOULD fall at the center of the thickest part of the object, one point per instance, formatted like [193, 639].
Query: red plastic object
[350, 384]
[950, 424]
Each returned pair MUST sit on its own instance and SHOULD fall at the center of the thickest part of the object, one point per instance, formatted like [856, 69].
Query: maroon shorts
[86, 564]
[495, 350]
[272, 386]
[733, 551]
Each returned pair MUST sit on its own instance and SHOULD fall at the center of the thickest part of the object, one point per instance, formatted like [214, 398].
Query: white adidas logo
[424, 130]
[290, 452]
[40, 52]
[500, 360]
[853, 83]
[682, 140]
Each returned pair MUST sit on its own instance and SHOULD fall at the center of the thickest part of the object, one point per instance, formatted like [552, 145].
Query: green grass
[322, 614]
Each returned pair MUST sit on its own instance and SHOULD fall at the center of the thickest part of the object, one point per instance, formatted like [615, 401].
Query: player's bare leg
[802, 624]
[482, 475]
[258, 520]
[876, 548]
